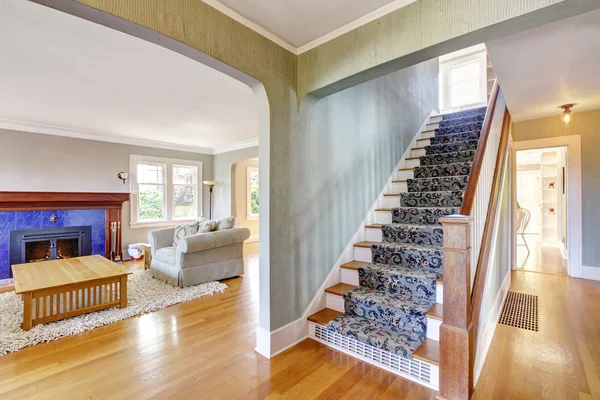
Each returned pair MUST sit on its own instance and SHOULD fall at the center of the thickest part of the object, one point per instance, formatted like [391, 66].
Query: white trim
[574, 203]
[357, 23]
[592, 273]
[98, 136]
[249, 24]
[269, 345]
[33, 127]
[160, 224]
[244, 144]
[486, 333]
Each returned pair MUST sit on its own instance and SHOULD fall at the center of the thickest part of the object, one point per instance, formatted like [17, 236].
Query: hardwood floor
[204, 349]
[540, 258]
[199, 349]
[562, 360]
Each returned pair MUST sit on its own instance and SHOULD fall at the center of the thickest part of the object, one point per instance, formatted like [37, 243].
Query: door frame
[574, 198]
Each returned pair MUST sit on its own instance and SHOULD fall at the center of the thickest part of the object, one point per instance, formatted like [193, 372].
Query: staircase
[388, 308]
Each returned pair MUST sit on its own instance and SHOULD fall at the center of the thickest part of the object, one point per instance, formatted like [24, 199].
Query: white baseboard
[270, 344]
[486, 332]
[592, 273]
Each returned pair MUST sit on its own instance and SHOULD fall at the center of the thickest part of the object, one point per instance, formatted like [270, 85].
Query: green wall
[420, 32]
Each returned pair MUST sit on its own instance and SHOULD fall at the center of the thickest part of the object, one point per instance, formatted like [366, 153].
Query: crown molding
[236, 146]
[98, 136]
[249, 24]
[357, 23]
[365, 19]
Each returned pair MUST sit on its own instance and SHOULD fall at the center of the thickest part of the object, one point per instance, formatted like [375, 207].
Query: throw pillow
[207, 226]
[182, 231]
[224, 223]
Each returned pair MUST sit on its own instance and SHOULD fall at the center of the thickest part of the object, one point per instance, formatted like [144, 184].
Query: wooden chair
[523, 217]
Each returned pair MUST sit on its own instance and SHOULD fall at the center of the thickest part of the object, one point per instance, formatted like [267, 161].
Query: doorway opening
[245, 201]
[542, 188]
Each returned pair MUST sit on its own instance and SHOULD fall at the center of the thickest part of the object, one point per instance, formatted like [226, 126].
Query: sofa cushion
[207, 226]
[166, 255]
[224, 223]
[182, 231]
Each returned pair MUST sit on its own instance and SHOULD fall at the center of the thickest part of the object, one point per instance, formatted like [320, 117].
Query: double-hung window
[463, 81]
[164, 191]
[252, 194]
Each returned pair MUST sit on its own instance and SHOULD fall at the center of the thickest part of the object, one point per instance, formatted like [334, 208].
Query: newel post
[456, 333]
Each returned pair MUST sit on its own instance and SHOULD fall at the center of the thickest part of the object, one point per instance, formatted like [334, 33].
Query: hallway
[540, 258]
[562, 360]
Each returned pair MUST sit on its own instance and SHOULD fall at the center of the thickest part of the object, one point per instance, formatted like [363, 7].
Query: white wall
[35, 162]
[240, 195]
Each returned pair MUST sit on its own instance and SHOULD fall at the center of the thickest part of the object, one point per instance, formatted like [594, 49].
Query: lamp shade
[210, 183]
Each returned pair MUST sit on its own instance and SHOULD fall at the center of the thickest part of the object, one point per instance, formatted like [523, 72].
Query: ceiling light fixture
[567, 116]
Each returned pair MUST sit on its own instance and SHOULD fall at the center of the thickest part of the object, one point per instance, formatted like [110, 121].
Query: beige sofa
[198, 258]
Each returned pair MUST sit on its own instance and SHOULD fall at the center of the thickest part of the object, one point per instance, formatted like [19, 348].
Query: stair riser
[335, 302]
[458, 128]
[350, 277]
[390, 202]
[418, 153]
[399, 187]
[373, 235]
[462, 120]
[412, 163]
[383, 217]
[427, 135]
[465, 113]
[424, 142]
[448, 158]
[405, 175]
[449, 147]
[415, 216]
[363, 254]
[429, 199]
[431, 236]
[386, 253]
[438, 184]
[442, 170]
[460, 137]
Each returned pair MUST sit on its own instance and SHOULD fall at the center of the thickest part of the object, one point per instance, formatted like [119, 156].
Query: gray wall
[36, 162]
[339, 162]
[587, 125]
[223, 164]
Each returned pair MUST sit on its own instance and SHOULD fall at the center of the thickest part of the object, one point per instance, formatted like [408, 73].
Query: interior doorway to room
[542, 210]
[245, 205]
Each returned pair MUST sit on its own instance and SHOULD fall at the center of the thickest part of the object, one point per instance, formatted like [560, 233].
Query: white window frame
[447, 66]
[169, 205]
[249, 215]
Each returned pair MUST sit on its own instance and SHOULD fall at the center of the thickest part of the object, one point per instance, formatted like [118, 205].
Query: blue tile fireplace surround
[22, 220]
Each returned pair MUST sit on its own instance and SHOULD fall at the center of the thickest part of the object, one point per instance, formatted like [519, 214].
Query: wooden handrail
[470, 191]
[486, 243]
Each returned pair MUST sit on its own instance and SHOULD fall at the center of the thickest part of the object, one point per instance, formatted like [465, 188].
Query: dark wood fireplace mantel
[112, 203]
[27, 201]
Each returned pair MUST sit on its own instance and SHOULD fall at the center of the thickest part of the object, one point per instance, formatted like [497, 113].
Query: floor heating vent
[521, 311]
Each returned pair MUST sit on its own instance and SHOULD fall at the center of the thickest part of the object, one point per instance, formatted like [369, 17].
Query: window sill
[160, 224]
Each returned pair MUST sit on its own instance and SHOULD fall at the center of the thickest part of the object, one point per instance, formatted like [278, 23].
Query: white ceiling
[302, 24]
[545, 67]
[62, 75]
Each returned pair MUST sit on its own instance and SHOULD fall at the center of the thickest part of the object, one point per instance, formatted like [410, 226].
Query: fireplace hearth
[35, 245]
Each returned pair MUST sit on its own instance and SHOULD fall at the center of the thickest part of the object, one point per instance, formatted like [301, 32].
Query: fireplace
[34, 245]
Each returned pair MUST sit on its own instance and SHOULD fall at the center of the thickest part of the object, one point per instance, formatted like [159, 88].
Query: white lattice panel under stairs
[418, 371]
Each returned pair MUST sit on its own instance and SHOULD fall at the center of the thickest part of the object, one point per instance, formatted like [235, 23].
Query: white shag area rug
[144, 294]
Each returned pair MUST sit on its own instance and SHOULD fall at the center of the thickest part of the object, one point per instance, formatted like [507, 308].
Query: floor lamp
[211, 185]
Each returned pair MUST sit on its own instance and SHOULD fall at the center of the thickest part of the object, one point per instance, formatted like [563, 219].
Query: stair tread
[408, 246]
[324, 316]
[436, 312]
[406, 169]
[399, 302]
[418, 148]
[374, 226]
[437, 177]
[428, 351]
[340, 289]
[399, 181]
[412, 226]
[354, 265]
[443, 165]
[365, 244]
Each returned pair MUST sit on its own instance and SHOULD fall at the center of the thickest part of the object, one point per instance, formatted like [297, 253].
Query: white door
[528, 196]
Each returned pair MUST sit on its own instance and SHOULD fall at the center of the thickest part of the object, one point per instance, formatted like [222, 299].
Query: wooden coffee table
[54, 290]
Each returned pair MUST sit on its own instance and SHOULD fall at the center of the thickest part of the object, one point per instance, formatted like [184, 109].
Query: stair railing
[467, 242]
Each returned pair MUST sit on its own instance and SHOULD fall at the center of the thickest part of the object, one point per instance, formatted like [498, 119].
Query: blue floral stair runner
[388, 309]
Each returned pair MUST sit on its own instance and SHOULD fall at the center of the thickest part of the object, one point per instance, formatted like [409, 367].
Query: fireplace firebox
[34, 245]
